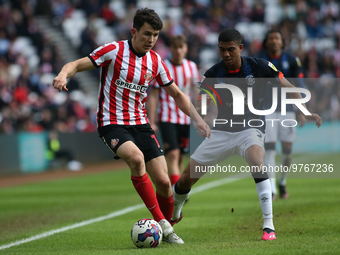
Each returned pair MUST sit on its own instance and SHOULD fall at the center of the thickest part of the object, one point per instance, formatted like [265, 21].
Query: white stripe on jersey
[124, 81]
[185, 76]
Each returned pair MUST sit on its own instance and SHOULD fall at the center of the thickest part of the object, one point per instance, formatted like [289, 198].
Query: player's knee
[287, 151]
[136, 161]
[256, 163]
[163, 183]
[173, 155]
[286, 157]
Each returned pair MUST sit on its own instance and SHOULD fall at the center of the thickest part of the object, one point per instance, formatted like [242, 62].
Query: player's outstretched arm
[183, 102]
[152, 107]
[80, 65]
[314, 117]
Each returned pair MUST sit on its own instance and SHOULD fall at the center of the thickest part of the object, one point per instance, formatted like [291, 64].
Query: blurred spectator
[310, 28]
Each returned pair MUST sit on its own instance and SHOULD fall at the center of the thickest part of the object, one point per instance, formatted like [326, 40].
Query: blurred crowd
[28, 102]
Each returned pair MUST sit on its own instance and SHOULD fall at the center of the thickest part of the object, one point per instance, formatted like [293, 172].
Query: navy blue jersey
[255, 73]
[290, 66]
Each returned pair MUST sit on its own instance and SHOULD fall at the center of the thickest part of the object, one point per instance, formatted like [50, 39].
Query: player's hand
[203, 129]
[301, 120]
[59, 83]
[315, 117]
[154, 128]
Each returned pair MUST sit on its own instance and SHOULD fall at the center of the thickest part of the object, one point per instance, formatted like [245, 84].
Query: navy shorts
[141, 135]
[175, 136]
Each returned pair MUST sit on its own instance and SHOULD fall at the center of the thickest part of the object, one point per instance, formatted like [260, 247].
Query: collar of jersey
[140, 55]
[235, 71]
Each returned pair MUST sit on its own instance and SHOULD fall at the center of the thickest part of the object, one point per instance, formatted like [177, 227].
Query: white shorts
[275, 131]
[221, 145]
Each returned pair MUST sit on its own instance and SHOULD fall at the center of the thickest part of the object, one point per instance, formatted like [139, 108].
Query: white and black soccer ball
[146, 233]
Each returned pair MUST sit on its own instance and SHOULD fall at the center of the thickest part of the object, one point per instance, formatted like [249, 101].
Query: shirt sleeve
[104, 54]
[268, 70]
[163, 77]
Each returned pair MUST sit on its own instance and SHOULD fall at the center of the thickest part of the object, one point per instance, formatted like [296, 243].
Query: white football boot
[169, 234]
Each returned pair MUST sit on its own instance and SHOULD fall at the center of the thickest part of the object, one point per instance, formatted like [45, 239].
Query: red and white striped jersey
[185, 75]
[125, 77]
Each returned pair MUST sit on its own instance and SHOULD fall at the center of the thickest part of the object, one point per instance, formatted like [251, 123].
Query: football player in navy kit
[290, 66]
[239, 137]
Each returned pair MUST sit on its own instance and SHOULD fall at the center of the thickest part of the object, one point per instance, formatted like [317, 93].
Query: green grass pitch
[307, 223]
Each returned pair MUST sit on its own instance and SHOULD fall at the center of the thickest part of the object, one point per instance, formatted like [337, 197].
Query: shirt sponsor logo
[131, 86]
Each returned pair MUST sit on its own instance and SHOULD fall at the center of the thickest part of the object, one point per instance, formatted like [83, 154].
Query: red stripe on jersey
[113, 87]
[144, 110]
[103, 51]
[100, 114]
[125, 110]
[126, 92]
[154, 63]
[141, 81]
[132, 66]
[191, 72]
[184, 81]
[106, 63]
[176, 107]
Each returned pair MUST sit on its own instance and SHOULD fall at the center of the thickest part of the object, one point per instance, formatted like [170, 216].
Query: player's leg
[287, 135]
[171, 149]
[272, 132]
[254, 156]
[286, 160]
[157, 170]
[131, 154]
[270, 163]
[208, 153]
[121, 142]
[182, 190]
[172, 158]
[183, 135]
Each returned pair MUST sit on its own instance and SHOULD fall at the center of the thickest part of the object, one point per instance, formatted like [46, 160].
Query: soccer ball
[146, 233]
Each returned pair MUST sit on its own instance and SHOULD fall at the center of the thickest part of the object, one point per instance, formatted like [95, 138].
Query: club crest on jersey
[114, 142]
[250, 80]
[148, 77]
[270, 64]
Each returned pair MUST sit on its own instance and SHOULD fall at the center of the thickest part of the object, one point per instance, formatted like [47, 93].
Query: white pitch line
[111, 215]
[198, 189]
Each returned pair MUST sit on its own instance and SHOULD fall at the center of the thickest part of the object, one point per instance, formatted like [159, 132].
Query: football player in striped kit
[127, 69]
[173, 123]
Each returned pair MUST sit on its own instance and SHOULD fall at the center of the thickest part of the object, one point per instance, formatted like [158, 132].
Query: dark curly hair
[268, 34]
[149, 16]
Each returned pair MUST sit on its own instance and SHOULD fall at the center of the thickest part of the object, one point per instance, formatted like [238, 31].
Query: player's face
[178, 52]
[145, 38]
[230, 52]
[274, 42]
